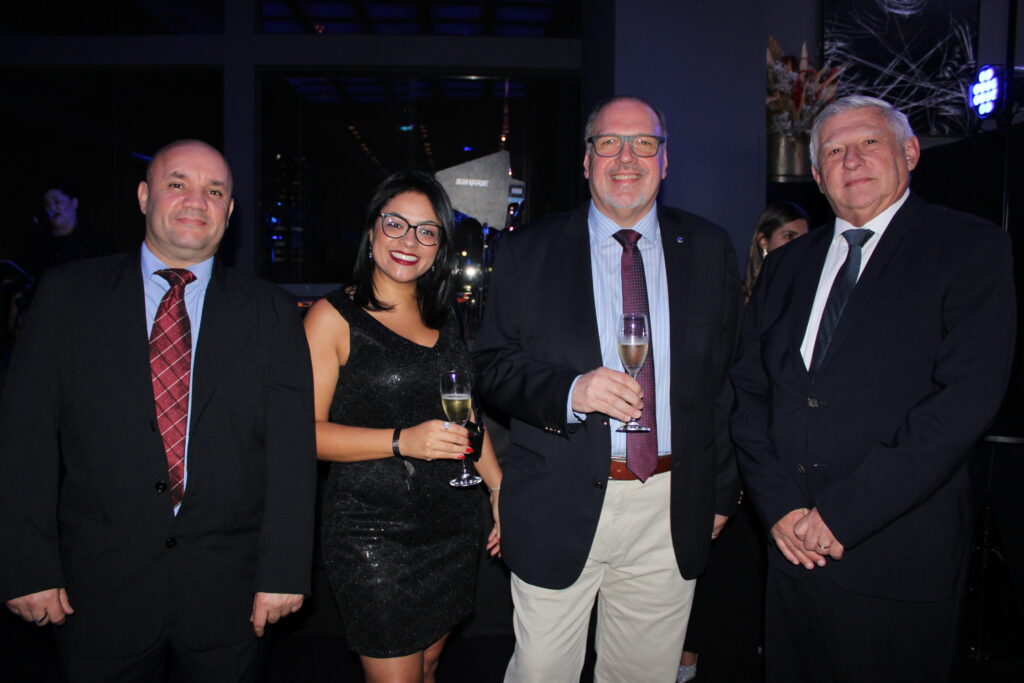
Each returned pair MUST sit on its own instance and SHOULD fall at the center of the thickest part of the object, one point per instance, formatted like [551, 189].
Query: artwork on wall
[917, 54]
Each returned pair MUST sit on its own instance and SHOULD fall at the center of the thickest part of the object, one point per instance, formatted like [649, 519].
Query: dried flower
[796, 92]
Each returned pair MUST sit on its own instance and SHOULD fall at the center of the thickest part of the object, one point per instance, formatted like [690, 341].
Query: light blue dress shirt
[606, 267]
[154, 287]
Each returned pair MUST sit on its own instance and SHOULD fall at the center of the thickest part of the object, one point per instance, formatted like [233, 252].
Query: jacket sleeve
[532, 390]
[727, 483]
[286, 533]
[971, 370]
[773, 494]
[30, 453]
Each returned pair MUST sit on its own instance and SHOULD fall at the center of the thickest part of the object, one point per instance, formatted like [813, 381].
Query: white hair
[896, 119]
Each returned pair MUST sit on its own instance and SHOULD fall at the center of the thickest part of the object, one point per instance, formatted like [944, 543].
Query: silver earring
[370, 252]
[764, 252]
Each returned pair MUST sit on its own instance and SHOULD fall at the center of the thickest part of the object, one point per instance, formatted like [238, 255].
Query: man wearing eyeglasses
[590, 513]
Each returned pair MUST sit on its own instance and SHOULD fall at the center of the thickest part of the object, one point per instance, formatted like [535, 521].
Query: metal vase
[789, 159]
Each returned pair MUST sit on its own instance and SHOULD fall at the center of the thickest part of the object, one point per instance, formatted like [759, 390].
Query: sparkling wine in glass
[634, 340]
[457, 402]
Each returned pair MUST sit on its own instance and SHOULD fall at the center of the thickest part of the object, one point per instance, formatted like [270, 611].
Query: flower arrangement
[796, 92]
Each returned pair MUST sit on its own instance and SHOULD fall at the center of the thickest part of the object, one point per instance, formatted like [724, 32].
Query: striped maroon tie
[641, 447]
[170, 359]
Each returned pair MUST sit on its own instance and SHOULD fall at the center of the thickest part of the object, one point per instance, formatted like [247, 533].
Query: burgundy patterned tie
[170, 359]
[641, 447]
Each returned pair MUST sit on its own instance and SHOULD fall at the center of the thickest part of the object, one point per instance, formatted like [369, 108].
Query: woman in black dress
[400, 545]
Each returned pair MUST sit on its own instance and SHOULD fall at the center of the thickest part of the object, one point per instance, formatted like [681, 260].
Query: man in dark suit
[873, 355]
[137, 530]
[583, 517]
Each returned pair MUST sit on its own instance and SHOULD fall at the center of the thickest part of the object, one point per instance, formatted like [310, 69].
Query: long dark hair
[433, 288]
[774, 216]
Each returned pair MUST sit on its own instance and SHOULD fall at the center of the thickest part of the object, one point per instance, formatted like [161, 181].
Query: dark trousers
[169, 660]
[817, 632]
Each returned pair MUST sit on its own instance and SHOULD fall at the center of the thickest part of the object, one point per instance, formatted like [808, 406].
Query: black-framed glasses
[611, 145]
[395, 226]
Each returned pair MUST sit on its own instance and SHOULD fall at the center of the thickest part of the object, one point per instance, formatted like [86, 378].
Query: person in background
[588, 513]
[157, 454]
[400, 544]
[728, 605]
[779, 223]
[874, 354]
[62, 237]
[58, 237]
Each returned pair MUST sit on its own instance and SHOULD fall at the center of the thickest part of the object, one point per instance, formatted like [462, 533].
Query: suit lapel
[228, 318]
[573, 259]
[804, 286]
[123, 323]
[903, 223]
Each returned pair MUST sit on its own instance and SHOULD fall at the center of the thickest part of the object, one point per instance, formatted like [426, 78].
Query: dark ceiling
[502, 18]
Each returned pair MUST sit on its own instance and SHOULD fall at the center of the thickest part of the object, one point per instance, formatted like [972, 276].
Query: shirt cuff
[571, 416]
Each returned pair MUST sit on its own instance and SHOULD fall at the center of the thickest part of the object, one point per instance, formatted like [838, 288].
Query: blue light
[986, 91]
[405, 129]
[467, 148]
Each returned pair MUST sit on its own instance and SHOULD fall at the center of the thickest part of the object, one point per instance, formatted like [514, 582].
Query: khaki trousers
[643, 603]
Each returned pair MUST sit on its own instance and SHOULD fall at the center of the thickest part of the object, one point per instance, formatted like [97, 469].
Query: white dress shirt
[606, 274]
[837, 252]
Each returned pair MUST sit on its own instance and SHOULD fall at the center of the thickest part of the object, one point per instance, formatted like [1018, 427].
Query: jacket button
[171, 542]
[801, 469]
[812, 403]
[598, 484]
[160, 486]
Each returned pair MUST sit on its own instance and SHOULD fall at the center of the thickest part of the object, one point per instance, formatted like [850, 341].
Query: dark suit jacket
[878, 438]
[78, 409]
[540, 332]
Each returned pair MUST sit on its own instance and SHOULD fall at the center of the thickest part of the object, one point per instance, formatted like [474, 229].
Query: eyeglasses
[611, 145]
[396, 226]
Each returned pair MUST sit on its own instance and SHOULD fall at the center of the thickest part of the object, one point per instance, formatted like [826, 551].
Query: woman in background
[779, 223]
[400, 545]
[728, 605]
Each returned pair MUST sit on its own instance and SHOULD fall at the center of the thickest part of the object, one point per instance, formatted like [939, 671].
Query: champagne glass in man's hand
[634, 340]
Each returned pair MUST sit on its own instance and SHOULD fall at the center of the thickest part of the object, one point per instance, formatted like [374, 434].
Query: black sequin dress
[399, 544]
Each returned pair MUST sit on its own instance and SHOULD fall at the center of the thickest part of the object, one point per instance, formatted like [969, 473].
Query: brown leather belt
[618, 469]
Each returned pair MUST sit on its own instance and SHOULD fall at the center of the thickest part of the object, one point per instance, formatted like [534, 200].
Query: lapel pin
[679, 240]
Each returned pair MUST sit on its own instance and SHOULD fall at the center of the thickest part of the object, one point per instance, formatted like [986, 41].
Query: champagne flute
[634, 340]
[456, 399]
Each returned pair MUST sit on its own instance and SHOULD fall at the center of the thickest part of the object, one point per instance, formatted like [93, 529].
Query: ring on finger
[447, 425]
[824, 547]
[39, 620]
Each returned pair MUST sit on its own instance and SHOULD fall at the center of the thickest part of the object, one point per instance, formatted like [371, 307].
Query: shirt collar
[150, 264]
[602, 227]
[878, 224]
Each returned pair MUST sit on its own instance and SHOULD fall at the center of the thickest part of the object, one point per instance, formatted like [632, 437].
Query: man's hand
[45, 607]
[720, 521]
[792, 547]
[816, 536]
[607, 391]
[268, 608]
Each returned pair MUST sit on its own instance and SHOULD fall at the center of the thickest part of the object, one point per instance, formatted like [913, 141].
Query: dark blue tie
[845, 280]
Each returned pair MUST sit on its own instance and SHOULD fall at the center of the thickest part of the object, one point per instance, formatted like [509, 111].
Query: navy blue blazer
[878, 438]
[540, 332]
